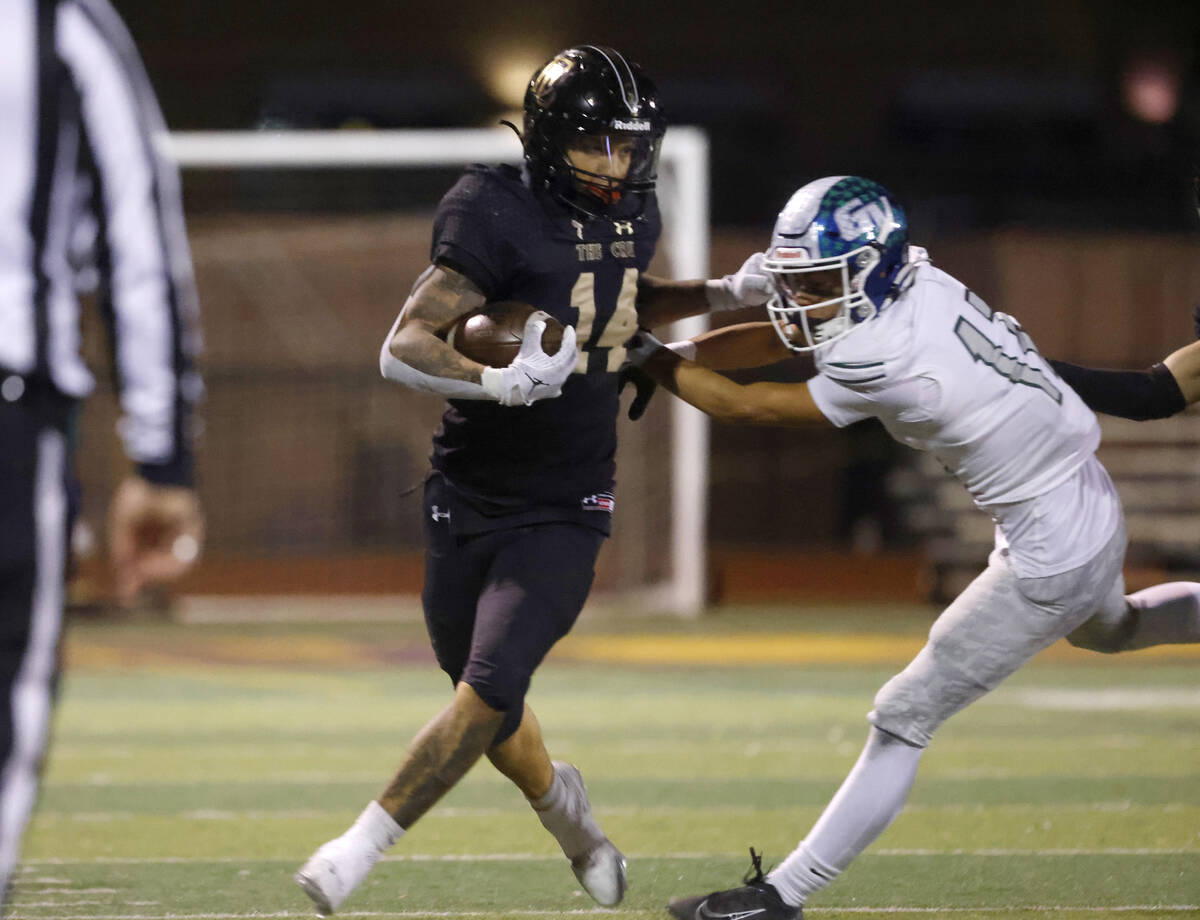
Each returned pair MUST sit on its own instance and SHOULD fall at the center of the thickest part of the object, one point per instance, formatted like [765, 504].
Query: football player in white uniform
[896, 339]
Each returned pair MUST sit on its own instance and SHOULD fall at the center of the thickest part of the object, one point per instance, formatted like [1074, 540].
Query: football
[492, 336]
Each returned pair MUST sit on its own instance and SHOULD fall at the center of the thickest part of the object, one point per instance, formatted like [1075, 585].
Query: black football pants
[34, 520]
[496, 602]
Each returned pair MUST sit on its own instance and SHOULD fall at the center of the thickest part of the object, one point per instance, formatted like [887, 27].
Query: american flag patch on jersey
[601, 501]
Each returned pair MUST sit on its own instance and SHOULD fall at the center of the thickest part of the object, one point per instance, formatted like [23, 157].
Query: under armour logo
[439, 515]
[578, 228]
[623, 226]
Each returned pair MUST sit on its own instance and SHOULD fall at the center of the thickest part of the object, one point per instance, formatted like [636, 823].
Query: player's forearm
[660, 301]
[409, 349]
[1139, 395]
[710, 392]
[424, 351]
[743, 345]
[440, 297]
[698, 386]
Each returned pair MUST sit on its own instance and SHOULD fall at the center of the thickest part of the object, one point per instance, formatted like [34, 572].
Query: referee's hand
[155, 534]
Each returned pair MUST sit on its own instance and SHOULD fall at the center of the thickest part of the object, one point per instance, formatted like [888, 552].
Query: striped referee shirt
[84, 182]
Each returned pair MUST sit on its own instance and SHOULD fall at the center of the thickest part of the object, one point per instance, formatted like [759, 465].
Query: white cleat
[601, 867]
[601, 872]
[335, 870]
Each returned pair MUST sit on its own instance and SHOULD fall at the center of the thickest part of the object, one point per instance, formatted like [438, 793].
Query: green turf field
[194, 767]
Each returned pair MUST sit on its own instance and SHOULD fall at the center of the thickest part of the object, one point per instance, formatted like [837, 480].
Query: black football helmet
[592, 95]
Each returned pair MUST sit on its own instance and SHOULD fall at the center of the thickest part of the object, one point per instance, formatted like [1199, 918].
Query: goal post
[684, 200]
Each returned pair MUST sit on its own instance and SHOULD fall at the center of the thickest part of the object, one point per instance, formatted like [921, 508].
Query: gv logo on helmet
[855, 219]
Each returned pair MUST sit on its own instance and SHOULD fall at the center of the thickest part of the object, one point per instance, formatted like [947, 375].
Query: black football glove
[643, 386]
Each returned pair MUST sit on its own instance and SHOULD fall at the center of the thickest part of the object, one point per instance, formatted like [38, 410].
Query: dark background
[979, 115]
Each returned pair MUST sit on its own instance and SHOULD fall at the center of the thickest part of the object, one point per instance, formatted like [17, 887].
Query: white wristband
[686, 349]
[497, 385]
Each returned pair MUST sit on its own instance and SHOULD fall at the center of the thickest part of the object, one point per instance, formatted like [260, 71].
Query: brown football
[492, 336]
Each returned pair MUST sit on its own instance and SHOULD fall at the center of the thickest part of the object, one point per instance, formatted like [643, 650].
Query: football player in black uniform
[521, 494]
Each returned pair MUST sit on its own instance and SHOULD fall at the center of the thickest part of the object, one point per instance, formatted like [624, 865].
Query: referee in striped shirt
[82, 180]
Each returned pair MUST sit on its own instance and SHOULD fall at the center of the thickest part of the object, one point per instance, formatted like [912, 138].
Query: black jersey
[517, 244]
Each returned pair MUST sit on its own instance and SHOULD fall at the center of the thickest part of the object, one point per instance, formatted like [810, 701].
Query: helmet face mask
[608, 167]
[593, 130]
[835, 252]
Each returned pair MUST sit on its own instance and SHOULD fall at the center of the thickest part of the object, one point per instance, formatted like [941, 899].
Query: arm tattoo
[434, 306]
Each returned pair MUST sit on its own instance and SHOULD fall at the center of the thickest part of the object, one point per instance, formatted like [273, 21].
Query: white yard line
[556, 857]
[599, 911]
[624, 811]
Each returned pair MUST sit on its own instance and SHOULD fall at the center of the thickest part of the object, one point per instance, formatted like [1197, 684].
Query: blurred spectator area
[984, 150]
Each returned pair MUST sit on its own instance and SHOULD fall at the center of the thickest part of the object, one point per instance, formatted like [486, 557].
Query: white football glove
[533, 374]
[749, 286]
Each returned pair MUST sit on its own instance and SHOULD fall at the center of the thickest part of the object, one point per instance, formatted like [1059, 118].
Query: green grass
[178, 788]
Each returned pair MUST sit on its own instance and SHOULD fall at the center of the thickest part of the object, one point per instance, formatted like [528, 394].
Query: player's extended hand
[749, 286]
[155, 534]
[643, 387]
[533, 374]
[641, 345]
[638, 350]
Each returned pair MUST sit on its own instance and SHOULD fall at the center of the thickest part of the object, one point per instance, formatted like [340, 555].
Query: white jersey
[947, 374]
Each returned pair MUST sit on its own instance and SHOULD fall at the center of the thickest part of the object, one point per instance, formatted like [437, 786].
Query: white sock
[375, 827]
[868, 801]
[565, 812]
[1167, 614]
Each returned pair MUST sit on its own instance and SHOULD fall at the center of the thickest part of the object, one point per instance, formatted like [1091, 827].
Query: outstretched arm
[716, 395]
[728, 348]
[661, 301]
[733, 347]
[1159, 391]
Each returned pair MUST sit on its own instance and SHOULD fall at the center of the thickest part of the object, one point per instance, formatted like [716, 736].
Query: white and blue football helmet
[842, 223]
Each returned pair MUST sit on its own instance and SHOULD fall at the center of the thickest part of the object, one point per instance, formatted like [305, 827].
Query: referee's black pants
[34, 524]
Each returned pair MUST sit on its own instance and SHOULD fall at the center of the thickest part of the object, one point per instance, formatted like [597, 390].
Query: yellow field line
[734, 649]
[798, 648]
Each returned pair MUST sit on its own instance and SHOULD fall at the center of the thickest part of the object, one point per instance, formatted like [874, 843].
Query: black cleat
[755, 900]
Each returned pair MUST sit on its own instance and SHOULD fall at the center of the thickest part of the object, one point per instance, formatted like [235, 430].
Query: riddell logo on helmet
[636, 124]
